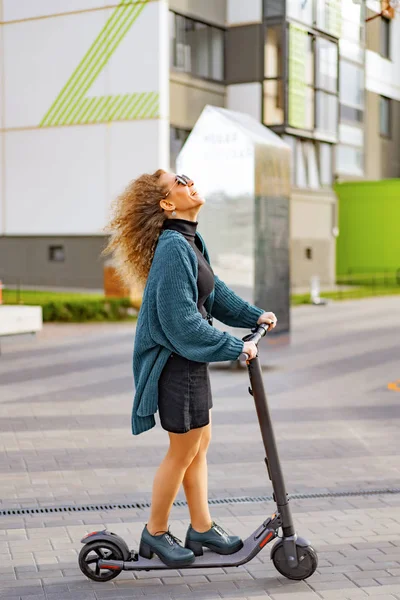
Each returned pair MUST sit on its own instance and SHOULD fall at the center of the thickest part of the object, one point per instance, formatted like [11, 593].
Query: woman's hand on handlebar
[269, 319]
[250, 348]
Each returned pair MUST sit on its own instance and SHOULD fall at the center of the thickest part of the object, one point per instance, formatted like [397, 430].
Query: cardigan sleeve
[186, 332]
[232, 310]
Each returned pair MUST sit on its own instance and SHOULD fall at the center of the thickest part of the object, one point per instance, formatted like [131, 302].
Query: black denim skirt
[184, 395]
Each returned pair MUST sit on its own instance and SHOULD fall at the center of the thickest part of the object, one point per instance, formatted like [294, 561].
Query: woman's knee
[184, 446]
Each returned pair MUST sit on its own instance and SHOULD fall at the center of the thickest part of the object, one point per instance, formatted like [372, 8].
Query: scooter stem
[268, 437]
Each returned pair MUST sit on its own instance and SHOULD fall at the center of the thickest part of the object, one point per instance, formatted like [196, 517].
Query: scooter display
[105, 554]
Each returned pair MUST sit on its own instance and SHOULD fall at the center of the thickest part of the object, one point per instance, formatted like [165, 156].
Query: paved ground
[65, 401]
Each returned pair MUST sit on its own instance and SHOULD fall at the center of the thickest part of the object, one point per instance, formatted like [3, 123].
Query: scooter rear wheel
[307, 562]
[89, 558]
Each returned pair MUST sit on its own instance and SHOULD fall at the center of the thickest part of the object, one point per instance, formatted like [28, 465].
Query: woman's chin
[199, 200]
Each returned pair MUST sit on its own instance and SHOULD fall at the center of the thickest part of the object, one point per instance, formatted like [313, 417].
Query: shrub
[80, 311]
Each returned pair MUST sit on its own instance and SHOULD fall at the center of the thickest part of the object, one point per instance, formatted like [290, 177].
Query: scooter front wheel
[89, 558]
[307, 562]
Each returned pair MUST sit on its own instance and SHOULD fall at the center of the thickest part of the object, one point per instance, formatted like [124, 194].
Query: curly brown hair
[135, 227]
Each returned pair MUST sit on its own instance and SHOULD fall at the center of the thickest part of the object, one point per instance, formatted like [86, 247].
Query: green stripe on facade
[71, 107]
[68, 89]
[103, 109]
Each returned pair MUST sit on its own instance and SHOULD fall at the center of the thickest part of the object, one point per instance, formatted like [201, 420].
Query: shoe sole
[217, 550]
[173, 565]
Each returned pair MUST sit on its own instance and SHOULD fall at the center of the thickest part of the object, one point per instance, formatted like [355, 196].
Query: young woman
[155, 239]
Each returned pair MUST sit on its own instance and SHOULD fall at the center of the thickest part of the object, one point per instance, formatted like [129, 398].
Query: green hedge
[74, 308]
[109, 309]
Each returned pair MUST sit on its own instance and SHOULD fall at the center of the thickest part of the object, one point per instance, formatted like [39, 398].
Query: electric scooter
[105, 554]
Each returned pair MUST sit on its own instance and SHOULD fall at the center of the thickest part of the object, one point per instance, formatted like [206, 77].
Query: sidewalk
[65, 402]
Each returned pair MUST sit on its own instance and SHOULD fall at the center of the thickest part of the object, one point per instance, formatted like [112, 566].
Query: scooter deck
[250, 548]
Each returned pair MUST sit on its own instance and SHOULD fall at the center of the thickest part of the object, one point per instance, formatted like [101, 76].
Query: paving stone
[295, 596]
[184, 580]
[57, 447]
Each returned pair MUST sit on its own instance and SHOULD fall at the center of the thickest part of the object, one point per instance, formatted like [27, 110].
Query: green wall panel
[369, 226]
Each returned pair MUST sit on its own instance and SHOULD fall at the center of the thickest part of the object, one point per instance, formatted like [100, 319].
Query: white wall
[245, 97]
[29, 9]
[244, 11]
[383, 75]
[61, 174]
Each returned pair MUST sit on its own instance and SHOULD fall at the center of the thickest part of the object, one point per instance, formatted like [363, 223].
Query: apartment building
[95, 92]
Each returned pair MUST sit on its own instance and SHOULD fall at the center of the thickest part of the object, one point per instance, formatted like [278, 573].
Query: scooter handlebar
[255, 337]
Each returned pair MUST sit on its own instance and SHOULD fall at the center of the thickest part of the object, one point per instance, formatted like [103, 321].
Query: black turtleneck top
[205, 275]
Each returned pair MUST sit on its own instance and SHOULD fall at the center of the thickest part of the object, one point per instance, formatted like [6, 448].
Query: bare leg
[195, 485]
[182, 450]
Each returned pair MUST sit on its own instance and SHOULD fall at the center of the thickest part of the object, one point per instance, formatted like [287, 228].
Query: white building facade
[94, 93]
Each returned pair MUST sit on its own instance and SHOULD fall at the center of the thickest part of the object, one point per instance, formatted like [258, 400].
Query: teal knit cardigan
[169, 321]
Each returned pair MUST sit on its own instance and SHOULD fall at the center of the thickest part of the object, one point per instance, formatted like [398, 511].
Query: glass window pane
[325, 164]
[301, 173]
[349, 160]
[327, 113]
[273, 8]
[351, 50]
[327, 60]
[352, 115]
[351, 85]
[200, 57]
[273, 102]
[351, 135]
[385, 37]
[384, 110]
[301, 69]
[182, 49]
[172, 39]
[273, 52]
[291, 141]
[352, 21]
[301, 10]
[217, 53]
[329, 16]
[312, 167]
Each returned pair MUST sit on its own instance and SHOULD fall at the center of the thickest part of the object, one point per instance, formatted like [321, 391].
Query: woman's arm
[232, 310]
[182, 326]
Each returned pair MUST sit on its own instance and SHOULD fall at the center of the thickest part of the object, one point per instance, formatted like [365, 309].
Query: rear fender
[108, 536]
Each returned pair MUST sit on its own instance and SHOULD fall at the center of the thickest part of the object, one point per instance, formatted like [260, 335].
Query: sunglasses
[182, 179]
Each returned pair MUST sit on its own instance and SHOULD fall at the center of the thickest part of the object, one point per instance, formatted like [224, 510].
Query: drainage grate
[213, 501]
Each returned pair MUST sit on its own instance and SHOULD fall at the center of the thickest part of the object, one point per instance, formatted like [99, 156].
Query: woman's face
[185, 200]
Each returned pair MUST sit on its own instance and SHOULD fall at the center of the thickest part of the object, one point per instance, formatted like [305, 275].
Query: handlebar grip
[255, 337]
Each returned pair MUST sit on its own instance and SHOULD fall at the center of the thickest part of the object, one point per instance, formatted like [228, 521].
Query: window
[349, 160]
[56, 254]
[301, 79]
[217, 54]
[311, 162]
[273, 52]
[196, 48]
[177, 138]
[326, 65]
[274, 113]
[325, 164]
[301, 10]
[385, 116]
[353, 23]
[351, 92]
[329, 16]
[385, 37]
[273, 8]
[273, 102]
[326, 115]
